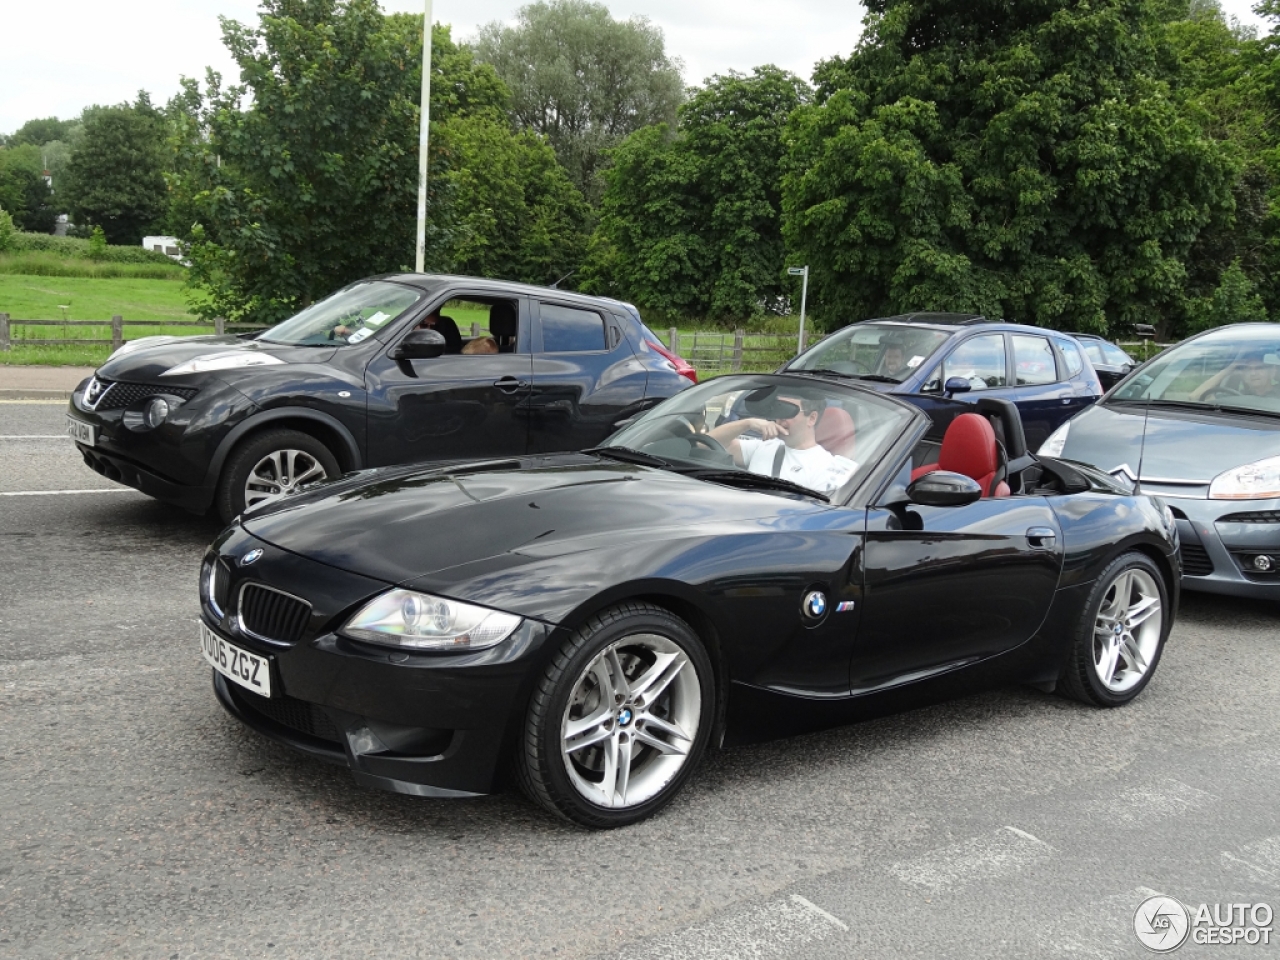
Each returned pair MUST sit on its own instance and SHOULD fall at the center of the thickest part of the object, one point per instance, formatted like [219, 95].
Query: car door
[1041, 389]
[455, 406]
[586, 377]
[948, 586]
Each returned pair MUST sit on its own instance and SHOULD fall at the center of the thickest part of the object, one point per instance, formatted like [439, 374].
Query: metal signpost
[424, 124]
[804, 294]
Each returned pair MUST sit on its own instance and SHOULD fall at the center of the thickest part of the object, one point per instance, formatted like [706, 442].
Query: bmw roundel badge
[250, 557]
[815, 605]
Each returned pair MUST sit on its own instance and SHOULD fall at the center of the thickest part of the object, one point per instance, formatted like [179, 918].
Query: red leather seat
[969, 447]
[835, 432]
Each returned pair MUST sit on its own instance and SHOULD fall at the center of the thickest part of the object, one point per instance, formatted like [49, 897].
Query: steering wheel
[715, 449]
[1220, 391]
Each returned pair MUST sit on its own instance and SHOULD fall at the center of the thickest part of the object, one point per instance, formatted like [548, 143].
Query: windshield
[349, 316]
[881, 350]
[818, 436]
[1231, 368]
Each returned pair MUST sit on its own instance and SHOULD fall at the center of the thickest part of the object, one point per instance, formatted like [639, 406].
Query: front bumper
[122, 470]
[1220, 540]
[427, 724]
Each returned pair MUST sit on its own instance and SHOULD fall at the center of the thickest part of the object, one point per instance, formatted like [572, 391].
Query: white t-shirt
[816, 467]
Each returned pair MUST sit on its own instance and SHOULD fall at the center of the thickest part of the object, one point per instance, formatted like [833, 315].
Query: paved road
[137, 820]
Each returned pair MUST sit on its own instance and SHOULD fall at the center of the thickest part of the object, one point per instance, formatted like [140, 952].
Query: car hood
[399, 525]
[1183, 445]
[144, 360]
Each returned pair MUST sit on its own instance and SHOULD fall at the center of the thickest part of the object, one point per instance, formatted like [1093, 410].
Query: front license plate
[79, 431]
[239, 666]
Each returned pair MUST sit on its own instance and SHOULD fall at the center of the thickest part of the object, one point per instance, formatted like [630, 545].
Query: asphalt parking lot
[140, 821]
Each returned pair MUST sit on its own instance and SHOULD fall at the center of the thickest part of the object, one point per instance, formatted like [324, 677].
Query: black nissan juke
[355, 381]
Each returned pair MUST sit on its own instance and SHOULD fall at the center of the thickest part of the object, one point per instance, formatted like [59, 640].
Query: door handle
[1042, 537]
[510, 384]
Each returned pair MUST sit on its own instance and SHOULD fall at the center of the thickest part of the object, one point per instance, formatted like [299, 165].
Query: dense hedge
[79, 249]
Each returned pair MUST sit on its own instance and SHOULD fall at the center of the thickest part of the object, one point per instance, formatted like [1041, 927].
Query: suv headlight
[1057, 441]
[155, 411]
[1253, 481]
[404, 618]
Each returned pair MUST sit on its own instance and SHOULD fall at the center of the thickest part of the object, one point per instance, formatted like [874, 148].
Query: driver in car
[788, 446]
[1254, 380]
[894, 361]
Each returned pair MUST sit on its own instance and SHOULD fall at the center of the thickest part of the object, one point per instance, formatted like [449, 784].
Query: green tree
[518, 215]
[582, 79]
[1023, 160]
[23, 189]
[7, 230]
[115, 178]
[691, 224]
[39, 132]
[306, 177]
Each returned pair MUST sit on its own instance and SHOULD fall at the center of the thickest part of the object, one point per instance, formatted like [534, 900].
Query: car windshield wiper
[627, 455]
[744, 479]
[877, 378]
[824, 372]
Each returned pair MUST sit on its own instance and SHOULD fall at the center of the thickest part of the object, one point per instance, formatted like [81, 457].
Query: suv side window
[980, 360]
[569, 330]
[1033, 360]
[1071, 353]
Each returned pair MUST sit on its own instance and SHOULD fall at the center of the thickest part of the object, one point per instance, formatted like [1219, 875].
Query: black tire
[230, 498]
[1084, 675]
[556, 783]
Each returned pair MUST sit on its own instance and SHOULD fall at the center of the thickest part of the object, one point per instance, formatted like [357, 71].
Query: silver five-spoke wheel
[631, 721]
[1127, 630]
[1120, 635]
[620, 717]
[281, 471]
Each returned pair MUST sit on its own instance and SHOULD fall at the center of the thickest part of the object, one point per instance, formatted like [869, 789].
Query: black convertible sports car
[756, 554]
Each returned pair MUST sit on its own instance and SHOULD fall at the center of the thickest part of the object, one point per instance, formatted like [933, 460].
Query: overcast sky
[59, 56]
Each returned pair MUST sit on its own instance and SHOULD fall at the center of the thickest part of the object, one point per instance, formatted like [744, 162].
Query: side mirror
[956, 385]
[942, 488]
[420, 345]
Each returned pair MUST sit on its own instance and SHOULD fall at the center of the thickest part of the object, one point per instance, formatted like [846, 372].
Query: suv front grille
[115, 394]
[269, 614]
[298, 715]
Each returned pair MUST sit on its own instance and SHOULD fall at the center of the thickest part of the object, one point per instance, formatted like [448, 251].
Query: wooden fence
[715, 352]
[116, 323]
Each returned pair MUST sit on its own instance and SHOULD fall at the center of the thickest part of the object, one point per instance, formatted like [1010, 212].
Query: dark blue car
[964, 357]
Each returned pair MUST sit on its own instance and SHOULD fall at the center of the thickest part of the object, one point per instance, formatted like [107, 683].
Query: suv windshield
[749, 430]
[1228, 369]
[349, 316]
[880, 350]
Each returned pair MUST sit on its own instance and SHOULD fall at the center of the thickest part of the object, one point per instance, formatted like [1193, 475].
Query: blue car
[964, 357]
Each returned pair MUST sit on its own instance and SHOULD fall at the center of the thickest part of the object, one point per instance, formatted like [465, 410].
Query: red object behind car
[683, 367]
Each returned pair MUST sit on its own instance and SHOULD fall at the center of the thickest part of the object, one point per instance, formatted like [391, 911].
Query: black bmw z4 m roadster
[755, 555]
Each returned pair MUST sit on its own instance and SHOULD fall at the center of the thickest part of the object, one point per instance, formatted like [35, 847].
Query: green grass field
[85, 298]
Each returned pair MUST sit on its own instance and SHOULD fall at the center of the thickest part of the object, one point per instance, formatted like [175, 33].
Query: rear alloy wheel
[1121, 634]
[270, 464]
[620, 718]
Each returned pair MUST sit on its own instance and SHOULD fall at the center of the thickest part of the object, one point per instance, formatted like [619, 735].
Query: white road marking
[753, 934]
[56, 493]
[982, 858]
[1139, 806]
[34, 436]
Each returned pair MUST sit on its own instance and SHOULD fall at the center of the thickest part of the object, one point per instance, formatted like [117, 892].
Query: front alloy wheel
[620, 718]
[1121, 635]
[268, 464]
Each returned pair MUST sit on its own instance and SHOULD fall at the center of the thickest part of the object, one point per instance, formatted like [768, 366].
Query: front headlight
[404, 618]
[1057, 441]
[223, 361]
[1253, 481]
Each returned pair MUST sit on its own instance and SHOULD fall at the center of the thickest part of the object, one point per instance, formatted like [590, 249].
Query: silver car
[1199, 426]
